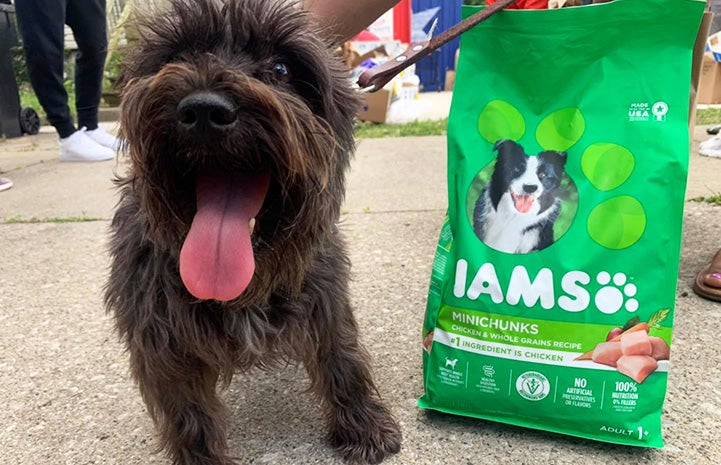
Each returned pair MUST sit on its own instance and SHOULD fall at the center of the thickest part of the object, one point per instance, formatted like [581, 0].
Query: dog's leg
[180, 394]
[360, 427]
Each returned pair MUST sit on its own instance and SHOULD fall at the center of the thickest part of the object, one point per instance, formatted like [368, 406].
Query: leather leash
[375, 78]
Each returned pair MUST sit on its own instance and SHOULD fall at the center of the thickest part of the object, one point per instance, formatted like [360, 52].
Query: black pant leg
[41, 25]
[87, 19]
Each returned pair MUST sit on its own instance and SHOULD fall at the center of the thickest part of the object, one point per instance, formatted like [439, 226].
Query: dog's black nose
[530, 188]
[202, 111]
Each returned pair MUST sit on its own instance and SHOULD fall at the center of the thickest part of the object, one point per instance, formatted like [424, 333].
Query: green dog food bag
[552, 293]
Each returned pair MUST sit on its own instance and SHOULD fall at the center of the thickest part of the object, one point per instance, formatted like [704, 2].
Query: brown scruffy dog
[225, 253]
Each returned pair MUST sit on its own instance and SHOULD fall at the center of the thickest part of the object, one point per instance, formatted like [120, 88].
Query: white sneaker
[102, 137]
[711, 147]
[5, 184]
[80, 147]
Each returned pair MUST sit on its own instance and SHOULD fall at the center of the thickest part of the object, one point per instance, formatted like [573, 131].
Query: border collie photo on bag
[519, 205]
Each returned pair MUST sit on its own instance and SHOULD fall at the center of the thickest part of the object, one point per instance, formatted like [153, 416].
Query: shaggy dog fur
[238, 93]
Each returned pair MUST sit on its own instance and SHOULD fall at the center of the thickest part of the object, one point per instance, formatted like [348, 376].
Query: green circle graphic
[607, 165]
[500, 120]
[561, 129]
[617, 223]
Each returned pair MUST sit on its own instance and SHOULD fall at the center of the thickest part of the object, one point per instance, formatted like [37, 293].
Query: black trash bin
[14, 121]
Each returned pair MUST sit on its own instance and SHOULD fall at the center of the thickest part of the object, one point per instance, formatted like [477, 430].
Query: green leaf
[631, 323]
[658, 317]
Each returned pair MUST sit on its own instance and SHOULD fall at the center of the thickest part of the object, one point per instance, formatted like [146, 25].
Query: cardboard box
[709, 89]
[352, 57]
[450, 80]
[713, 45]
[375, 107]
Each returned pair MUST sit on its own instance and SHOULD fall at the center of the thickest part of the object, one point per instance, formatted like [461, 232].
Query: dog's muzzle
[204, 112]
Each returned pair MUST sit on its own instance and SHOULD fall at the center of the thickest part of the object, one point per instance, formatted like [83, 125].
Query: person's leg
[88, 21]
[41, 28]
[708, 280]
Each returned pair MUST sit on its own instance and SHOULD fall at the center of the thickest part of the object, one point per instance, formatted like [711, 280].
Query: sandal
[708, 280]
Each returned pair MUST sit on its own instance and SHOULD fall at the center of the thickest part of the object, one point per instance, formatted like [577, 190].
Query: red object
[402, 21]
[525, 4]
[366, 36]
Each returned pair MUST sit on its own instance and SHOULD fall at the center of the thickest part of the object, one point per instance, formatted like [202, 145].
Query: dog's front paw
[366, 433]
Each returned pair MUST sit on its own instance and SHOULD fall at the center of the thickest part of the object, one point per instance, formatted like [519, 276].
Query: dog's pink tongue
[523, 203]
[216, 261]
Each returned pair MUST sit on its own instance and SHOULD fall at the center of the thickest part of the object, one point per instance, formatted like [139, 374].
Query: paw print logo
[615, 294]
[615, 223]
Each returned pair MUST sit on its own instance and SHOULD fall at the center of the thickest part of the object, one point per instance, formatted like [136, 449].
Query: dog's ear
[499, 145]
[557, 158]
[507, 146]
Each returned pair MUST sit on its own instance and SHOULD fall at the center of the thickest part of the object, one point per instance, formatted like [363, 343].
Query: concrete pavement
[64, 385]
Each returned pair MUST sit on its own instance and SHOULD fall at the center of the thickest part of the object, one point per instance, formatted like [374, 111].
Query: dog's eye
[541, 175]
[516, 170]
[281, 72]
